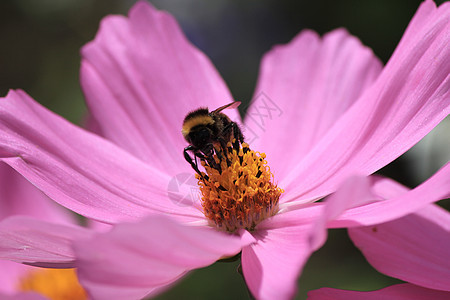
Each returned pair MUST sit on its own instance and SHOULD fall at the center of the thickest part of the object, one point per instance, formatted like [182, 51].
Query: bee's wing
[229, 105]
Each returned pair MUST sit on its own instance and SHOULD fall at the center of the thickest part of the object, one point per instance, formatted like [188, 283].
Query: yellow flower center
[238, 190]
[60, 284]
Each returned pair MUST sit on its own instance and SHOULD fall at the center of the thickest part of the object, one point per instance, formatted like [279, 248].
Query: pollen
[238, 190]
[61, 284]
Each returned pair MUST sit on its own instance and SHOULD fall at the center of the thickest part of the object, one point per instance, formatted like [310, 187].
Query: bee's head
[199, 136]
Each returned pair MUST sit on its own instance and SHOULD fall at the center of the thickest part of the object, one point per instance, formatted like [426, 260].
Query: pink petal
[289, 216]
[312, 82]
[78, 169]
[403, 291]
[10, 273]
[97, 226]
[38, 243]
[141, 77]
[273, 264]
[19, 197]
[401, 202]
[135, 259]
[22, 296]
[353, 192]
[414, 248]
[408, 99]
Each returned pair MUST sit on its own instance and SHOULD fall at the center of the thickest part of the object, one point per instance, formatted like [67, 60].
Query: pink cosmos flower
[18, 198]
[343, 115]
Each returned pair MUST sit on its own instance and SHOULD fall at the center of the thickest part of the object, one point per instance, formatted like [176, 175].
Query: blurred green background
[40, 54]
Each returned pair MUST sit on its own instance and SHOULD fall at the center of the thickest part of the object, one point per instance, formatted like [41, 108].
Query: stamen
[54, 284]
[240, 193]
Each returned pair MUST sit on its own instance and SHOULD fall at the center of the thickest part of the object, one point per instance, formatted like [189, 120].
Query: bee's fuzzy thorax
[195, 118]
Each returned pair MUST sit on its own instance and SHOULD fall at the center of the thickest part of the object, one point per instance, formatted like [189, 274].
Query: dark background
[40, 54]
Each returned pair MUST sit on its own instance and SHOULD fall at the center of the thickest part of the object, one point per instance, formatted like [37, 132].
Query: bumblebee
[208, 133]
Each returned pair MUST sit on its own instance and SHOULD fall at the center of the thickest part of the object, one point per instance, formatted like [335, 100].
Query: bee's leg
[190, 160]
[201, 156]
[197, 155]
[238, 133]
[238, 136]
[209, 154]
[219, 152]
[223, 145]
